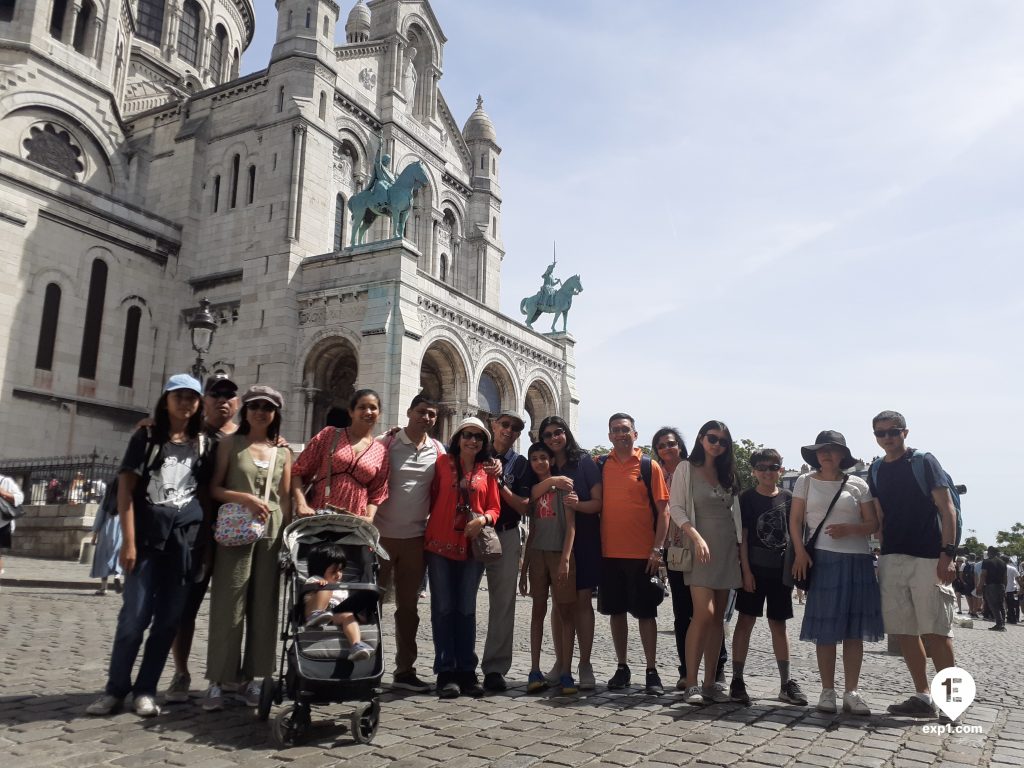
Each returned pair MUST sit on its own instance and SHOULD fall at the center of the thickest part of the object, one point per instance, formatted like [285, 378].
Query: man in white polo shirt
[402, 520]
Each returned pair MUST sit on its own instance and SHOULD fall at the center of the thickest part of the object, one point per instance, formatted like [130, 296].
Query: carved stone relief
[52, 147]
[368, 78]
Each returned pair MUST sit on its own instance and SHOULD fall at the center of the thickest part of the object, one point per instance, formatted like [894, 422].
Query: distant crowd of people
[611, 525]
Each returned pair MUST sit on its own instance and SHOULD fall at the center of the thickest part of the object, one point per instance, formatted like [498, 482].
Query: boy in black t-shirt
[765, 511]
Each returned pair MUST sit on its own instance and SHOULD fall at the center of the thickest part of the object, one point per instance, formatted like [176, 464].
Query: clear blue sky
[787, 216]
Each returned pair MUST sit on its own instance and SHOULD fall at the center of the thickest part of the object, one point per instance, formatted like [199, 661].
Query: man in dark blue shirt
[917, 564]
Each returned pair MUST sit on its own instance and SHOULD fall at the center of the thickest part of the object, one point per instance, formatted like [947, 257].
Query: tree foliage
[971, 544]
[1011, 542]
[742, 450]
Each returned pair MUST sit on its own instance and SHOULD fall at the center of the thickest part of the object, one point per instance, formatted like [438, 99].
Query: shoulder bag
[9, 511]
[805, 582]
[680, 558]
[486, 547]
[236, 526]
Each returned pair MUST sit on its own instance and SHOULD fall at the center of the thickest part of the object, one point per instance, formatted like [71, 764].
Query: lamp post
[201, 328]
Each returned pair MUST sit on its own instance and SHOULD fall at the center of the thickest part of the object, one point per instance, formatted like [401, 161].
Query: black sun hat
[827, 437]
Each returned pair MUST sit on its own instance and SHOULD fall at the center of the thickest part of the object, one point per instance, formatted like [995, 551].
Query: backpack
[108, 505]
[967, 577]
[920, 475]
[645, 473]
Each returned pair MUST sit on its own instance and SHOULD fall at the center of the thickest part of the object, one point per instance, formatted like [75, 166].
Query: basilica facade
[140, 174]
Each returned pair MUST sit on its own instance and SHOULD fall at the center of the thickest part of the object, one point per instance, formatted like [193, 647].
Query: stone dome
[357, 28]
[479, 126]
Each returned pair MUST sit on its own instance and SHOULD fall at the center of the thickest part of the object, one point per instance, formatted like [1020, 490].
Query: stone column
[97, 40]
[72, 20]
[205, 43]
[295, 189]
[170, 37]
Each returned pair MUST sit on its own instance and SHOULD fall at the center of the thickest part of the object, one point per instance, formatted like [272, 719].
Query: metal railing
[62, 479]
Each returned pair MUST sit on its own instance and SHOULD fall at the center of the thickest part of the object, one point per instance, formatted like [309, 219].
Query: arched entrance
[539, 403]
[495, 391]
[330, 374]
[443, 378]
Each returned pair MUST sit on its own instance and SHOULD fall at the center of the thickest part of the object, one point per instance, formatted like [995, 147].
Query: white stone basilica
[139, 174]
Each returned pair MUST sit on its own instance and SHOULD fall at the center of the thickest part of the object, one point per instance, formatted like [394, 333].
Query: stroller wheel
[289, 726]
[267, 690]
[365, 720]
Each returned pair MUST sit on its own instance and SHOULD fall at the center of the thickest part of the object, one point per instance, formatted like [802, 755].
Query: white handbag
[236, 526]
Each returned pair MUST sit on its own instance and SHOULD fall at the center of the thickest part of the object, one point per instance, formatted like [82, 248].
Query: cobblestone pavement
[55, 640]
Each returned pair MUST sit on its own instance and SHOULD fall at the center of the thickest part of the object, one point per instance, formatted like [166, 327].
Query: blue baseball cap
[183, 381]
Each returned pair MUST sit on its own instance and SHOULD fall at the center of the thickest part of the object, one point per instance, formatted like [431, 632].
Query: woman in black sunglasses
[704, 503]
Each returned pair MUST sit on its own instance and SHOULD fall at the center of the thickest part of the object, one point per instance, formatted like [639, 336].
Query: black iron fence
[62, 479]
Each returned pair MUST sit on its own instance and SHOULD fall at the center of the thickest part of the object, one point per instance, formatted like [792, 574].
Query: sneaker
[652, 683]
[495, 682]
[177, 691]
[586, 674]
[213, 699]
[620, 679]
[360, 651]
[792, 694]
[536, 683]
[250, 694]
[145, 706]
[407, 681]
[854, 704]
[568, 685]
[118, 585]
[715, 693]
[738, 692]
[318, 619]
[554, 675]
[915, 706]
[694, 696]
[827, 701]
[449, 690]
[105, 705]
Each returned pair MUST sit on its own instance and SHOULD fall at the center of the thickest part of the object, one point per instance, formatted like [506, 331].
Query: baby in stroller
[324, 606]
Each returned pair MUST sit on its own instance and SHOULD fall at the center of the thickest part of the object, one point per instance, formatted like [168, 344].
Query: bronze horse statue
[559, 304]
[397, 203]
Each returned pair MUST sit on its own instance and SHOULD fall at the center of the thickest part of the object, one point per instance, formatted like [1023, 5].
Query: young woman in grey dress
[704, 503]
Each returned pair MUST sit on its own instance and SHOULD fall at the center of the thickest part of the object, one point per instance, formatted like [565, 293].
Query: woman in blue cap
[158, 504]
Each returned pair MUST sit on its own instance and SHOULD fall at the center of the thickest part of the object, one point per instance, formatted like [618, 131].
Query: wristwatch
[949, 549]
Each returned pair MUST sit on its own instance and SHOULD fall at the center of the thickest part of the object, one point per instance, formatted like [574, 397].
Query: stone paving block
[568, 757]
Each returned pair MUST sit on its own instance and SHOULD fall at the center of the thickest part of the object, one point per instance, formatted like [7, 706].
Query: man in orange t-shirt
[632, 534]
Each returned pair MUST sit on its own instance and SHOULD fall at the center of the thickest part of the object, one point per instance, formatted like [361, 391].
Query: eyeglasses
[477, 436]
[221, 395]
[510, 425]
[715, 440]
[261, 405]
[888, 432]
[667, 444]
[621, 430]
[550, 434]
[768, 467]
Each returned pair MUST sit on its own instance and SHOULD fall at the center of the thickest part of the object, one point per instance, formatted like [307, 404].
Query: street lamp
[201, 328]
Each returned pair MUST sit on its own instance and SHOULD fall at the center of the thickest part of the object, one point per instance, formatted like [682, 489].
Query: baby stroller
[314, 666]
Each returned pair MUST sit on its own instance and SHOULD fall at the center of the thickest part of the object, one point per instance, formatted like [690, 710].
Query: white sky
[787, 216]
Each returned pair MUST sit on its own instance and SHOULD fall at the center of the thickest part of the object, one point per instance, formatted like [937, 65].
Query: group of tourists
[610, 525]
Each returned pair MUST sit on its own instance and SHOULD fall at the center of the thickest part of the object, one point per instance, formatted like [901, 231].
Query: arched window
[489, 394]
[309, 17]
[494, 227]
[327, 27]
[82, 25]
[150, 21]
[235, 162]
[93, 320]
[220, 39]
[339, 222]
[216, 192]
[280, 98]
[7, 10]
[60, 10]
[444, 267]
[323, 105]
[48, 328]
[289, 26]
[483, 162]
[188, 32]
[251, 194]
[131, 346]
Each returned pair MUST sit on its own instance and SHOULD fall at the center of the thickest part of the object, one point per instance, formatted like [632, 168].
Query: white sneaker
[213, 699]
[145, 706]
[716, 693]
[694, 696]
[586, 677]
[554, 676]
[853, 704]
[177, 691]
[827, 701]
[105, 705]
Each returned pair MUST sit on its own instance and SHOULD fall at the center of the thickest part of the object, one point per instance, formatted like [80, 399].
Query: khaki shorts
[544, 574]
[914, 602]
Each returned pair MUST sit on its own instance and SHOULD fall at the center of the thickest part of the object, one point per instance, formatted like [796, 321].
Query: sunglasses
[510, 425]
[221, 395]
[261, 405]
[715, 440]
[477, 436]
[621, 430]
[768, 467]
[557, 432]
[888, 432]
[667, 444]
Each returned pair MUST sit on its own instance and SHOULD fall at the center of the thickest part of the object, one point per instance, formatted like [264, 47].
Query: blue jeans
[453, 588]
[154, 593]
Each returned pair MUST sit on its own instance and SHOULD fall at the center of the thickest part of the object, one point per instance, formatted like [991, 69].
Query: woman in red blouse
[464, 499]
[359, 464]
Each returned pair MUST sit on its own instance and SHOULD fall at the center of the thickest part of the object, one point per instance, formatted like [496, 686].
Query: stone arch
[417, 27]
[444, 377]
[329, 375]
[539, 402]
[496, 373]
